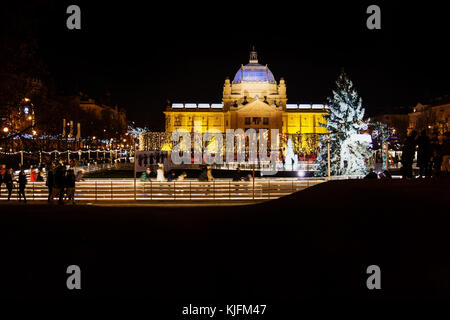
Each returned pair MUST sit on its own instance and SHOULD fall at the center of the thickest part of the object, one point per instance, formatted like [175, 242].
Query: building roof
[254, 72]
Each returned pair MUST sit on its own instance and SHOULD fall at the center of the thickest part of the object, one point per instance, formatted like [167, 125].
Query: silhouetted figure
[60, 181]
[237, 175]
[385, 175]
[22, 184]
[9, 182]
[371, 175]
[408, 151]
[171, 177]
[145, 160]
[203, 175]
[70, 185]
[445, 154]
[40, 176]
[50, 182]
[423, 154]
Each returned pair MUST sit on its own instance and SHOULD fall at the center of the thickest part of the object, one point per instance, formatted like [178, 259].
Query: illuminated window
[247, 120]
[265, 120]
[256, 120]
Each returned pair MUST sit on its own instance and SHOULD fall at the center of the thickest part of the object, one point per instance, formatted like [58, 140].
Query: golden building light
[253, 99]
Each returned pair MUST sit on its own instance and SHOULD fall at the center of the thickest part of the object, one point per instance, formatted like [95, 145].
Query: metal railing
[123, 189]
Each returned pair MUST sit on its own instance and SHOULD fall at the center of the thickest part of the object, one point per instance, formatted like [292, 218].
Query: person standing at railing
[9, 182]
[40, 176]
[60, 179]
[50, 182]
[33, 175]
[171, 177]
[182, 176]
[445, 154]
[70, 186]
[22, 184]
[79, 176]
[145, 176]
[160, 173]
[2, 174]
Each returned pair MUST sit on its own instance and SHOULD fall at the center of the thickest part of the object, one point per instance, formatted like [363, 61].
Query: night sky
[145, 53]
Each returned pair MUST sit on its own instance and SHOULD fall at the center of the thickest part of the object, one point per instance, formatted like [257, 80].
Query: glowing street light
[5, 130]
[26, 99]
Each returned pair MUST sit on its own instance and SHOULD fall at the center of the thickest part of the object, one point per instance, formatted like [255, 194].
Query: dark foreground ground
[313, 244]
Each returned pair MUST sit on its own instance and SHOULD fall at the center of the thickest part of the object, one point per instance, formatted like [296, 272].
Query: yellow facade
[252, 100]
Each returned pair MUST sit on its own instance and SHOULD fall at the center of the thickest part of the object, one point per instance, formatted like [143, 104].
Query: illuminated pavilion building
[255, 100]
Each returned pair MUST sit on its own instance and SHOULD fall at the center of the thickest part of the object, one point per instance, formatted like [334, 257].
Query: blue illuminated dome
[254, 72]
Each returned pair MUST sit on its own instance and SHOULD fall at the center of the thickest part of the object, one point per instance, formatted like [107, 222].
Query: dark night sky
[145, 53]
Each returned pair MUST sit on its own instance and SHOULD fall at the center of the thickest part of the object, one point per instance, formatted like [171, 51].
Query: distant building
[398, 121]
[255, 100]
[113, 119]
[434, 118]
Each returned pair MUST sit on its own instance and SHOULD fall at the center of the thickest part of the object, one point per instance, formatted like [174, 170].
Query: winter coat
[22, 180]
[33, 176]
[70, 181]
[408, 151]
[8, 180]
[423, 150]
[50, 179]
[144, 176]
[60, 178]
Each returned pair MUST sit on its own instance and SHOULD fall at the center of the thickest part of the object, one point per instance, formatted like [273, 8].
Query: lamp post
[328, 158]
[134, 165]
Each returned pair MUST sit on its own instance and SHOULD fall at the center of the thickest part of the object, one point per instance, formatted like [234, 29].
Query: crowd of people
[60, 181]
[433, 158]
[205, 175]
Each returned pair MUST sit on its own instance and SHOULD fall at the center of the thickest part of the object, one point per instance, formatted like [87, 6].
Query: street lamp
[5, 130]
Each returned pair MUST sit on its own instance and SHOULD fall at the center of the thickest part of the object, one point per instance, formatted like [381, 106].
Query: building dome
[254, 72]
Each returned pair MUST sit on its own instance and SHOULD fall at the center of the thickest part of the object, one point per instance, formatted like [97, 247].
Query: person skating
[160, 173]
[145, 176]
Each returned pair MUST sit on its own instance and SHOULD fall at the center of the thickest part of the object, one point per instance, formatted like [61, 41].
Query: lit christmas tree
[348, 147]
